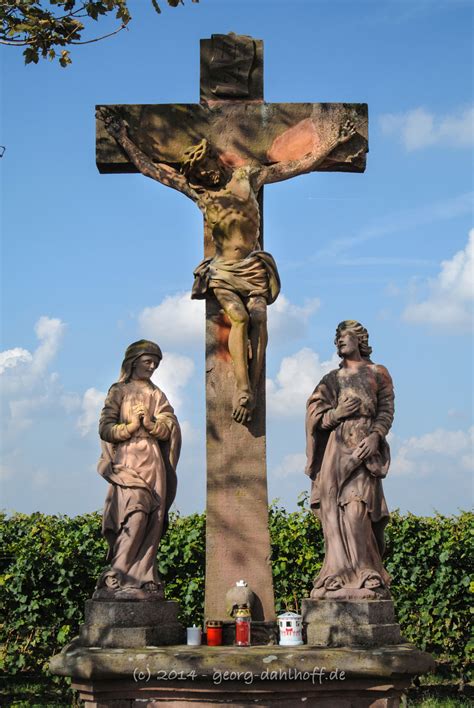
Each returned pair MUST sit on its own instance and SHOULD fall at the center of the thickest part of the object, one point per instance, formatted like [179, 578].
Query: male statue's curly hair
[361, 334]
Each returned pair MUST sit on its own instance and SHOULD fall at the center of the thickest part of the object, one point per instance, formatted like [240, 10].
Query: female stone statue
[348, 417]
[141, 441]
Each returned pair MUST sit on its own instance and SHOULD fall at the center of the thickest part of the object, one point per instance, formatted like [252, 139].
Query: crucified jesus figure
[243, 278]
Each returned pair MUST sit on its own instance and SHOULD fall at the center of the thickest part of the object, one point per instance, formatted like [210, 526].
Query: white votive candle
[194, 636]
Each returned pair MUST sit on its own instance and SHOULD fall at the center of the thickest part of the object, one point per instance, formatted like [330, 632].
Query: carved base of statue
[346, 623]
[132, 624]
[349, 593]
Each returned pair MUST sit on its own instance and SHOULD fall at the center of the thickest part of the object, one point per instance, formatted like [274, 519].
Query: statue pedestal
[130, 624]
[348, 623]
[179, 676]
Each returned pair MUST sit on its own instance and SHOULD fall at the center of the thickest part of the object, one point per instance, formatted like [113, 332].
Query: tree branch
[15, 42]
[98, 39]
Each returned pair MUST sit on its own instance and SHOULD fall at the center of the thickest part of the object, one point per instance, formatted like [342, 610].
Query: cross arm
[262, 135]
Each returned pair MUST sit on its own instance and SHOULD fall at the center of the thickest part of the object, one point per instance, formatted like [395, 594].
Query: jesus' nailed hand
[243, 278]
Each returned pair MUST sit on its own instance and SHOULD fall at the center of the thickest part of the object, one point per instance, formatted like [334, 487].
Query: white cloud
[177, 320]
[12, 357]
[22, 371]
[449, 304]
[26, 383]
[173, 375]
[289, 321]
[439, 452]
[295, 381]
[419, 128]
[50, 332]
[91, 405]
[293, 464]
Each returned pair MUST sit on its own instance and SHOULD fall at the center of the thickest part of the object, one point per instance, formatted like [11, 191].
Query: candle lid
[214, 623]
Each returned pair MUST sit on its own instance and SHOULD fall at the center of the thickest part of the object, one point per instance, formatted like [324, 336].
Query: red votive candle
[214, 633]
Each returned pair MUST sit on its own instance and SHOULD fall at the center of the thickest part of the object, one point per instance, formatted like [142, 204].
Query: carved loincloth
[256, 275]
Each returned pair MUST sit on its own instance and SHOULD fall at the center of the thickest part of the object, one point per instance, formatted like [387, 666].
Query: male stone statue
[348, 417]
[243, 278]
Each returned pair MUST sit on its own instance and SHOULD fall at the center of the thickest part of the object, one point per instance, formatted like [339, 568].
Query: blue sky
[93, 262]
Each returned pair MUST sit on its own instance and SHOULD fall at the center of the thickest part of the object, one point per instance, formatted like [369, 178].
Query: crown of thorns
[194, 154]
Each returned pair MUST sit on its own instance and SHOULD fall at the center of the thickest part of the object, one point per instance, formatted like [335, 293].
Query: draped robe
[141, 470]
[354, 542]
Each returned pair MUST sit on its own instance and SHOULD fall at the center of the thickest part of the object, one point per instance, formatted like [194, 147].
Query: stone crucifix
[220, 153]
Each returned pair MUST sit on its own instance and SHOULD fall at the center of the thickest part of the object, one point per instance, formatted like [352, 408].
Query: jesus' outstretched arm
[159, 171]
[286, 170]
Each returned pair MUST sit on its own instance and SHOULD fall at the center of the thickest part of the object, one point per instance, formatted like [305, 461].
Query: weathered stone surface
[365, 635]
[231, 67]
[360, 611]
[131, 624]
[338, 623]
[263, 676]
[102, 664]
[237, 536]
[131, 614]
[284, 694]
[94, 635]
[241, 132]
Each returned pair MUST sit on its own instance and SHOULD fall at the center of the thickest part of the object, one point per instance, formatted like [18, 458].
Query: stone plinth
[263, 676]
[116, 624]
[339, 623]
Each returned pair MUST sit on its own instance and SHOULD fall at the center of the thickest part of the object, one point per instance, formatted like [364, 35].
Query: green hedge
[49, 565]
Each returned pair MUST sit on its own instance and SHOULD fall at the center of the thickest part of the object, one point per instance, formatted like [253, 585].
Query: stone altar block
[131, 624]
[259, 676]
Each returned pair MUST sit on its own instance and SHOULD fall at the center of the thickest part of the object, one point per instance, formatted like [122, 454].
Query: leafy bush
[49, 566]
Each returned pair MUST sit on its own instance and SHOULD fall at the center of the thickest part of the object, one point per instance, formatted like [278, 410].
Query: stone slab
[366, 635]
[89, 663]
[265, 676]
[130, 614]
[93, 635]
[351, 611]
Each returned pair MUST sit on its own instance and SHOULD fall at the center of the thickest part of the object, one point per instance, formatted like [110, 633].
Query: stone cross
[244, 131]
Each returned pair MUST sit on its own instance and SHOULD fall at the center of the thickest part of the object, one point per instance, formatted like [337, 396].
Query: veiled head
[360, 332]
[134, 352]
